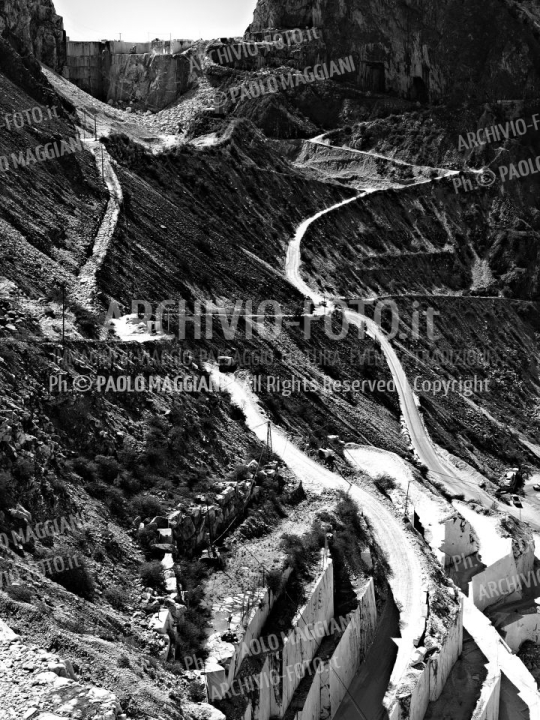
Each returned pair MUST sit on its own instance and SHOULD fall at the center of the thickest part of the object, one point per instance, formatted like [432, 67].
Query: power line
[76, 24]
[269, 438]
[348, 693]
[455, 477]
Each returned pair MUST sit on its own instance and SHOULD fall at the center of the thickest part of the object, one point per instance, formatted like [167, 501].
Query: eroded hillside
[305, 459]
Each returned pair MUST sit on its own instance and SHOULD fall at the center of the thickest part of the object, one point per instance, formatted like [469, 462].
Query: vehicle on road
[536, 487]
[517, 501]
[227, 363]
[513, 480]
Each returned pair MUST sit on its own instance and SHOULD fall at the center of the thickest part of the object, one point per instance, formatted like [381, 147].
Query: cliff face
[33, 27]
[155, 80]
[422, 49]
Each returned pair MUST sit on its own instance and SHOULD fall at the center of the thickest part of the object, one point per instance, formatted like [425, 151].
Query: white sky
[140, 20]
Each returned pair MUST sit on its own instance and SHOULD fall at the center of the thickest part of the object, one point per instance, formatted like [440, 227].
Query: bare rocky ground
[169, 241]
[90, 648]
[36, 683]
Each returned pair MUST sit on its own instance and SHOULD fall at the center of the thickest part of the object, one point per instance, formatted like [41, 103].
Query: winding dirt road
[320, 140]
[407, 581]
[475, 622]
[419, 437]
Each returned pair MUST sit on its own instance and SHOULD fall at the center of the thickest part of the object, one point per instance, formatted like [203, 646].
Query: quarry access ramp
[407, 581]
[88, 108]
[88, 272]
[475, 622]
[497, 651]
[320, 140]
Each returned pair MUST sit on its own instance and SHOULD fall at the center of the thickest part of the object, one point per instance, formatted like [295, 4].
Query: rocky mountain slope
[206, 212]
[419, 50]
[33, 27]
[158, 452]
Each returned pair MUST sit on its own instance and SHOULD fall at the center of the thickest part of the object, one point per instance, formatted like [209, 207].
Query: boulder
[161, 621]
[44, 678]
[62, 669]
[6, 633]
[160, 522]
[20, 513]
[209, 712]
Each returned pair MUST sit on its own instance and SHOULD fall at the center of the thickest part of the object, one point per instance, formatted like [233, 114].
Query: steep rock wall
[524, 627]
[157, 47]
[271, 692]
[320, 688]
[351, 651]
[86, 66]
[329, 677]
[506, 576]
[459, 539]
[33, 27]
[297, 48]
[156, 80]
[225, 658]
[299, 646]
[334, 675]
[487, 707]
[420, 49]
[429, 681]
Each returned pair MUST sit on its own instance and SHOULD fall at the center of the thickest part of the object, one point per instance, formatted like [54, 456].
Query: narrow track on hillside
[110, 118]
[88, 272]
[319, 140]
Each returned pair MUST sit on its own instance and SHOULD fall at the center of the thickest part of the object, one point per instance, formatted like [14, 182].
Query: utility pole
[407, 498]
[209, 529]
[63, 286]
[64, 317]
[269, 438]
